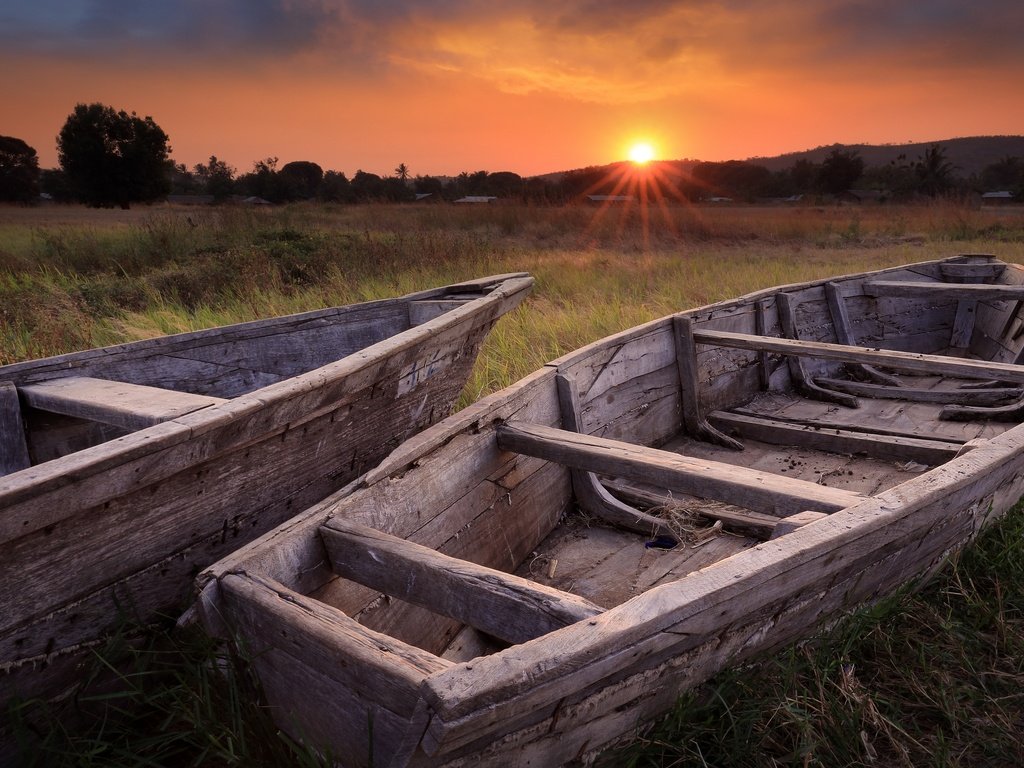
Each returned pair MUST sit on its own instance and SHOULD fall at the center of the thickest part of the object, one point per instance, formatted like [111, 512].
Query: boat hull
[317, 600]
[113, 535]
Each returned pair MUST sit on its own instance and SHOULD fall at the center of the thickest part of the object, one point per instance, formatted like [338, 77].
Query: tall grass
[932, 678]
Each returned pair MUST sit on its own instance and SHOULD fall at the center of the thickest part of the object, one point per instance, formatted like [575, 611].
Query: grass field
[931, 678]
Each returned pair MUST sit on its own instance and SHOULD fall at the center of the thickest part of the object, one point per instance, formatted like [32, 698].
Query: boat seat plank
[910, 361]
[131, 406]
[835, 440]
[13, 448]
[910, 289]
[508, 607]
[759, 491]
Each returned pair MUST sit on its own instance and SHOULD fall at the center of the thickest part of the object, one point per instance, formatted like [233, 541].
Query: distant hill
[968, 155]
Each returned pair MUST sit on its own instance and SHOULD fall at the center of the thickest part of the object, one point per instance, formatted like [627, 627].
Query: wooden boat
[129, 468]
[496, 591]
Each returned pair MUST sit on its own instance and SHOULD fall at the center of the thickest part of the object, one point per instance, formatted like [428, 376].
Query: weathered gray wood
[985, 270]
[427, 309]
[132, 406]
[185, 492]
[910, 289]
[829, 438]
[778, 589]
[963, 325]
[764, 373]
[760, 491]
[844, 332]
[755, 524]
[1013, 412]
[384, 670]
[686, 357]
[13, 449]
[928, 364]
[791, 523]
[797, 370]
[988, 396]
[500, 604]
[590, 494]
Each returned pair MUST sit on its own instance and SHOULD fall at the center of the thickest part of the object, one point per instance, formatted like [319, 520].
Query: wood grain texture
[132, 406]
[760, 491]
[927, 364]
[827, 438]
[500, 604]
[907, 289]
[13, 448]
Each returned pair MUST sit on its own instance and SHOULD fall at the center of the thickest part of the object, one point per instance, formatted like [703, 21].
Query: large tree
[113, 158]
[840, 169]
[19, 171]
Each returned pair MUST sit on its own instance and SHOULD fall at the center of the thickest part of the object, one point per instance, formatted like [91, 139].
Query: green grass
[928, 678]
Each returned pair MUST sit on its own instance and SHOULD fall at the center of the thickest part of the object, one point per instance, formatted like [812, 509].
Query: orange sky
[453, 85]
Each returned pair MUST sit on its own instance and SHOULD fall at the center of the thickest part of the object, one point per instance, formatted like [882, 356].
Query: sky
[530, 86]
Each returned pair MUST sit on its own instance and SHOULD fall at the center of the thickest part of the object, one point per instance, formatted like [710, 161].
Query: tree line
[114, 158]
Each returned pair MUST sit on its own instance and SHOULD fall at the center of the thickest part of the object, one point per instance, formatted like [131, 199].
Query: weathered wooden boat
[496, 592]
[127, 469]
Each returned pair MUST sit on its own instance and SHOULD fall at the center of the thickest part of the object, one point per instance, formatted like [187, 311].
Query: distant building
[423, 195]
[476, 199]
[719, 199]
[997, 198]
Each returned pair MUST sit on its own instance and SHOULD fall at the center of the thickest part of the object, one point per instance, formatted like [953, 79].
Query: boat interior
[694, 438]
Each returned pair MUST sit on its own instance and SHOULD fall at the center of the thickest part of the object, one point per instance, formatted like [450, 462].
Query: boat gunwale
[29, 483]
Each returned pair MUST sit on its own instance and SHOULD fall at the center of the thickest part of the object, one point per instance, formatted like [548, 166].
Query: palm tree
[402, 172]
[934, 171]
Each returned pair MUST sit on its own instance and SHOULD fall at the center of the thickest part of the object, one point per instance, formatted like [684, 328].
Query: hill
[969, 155]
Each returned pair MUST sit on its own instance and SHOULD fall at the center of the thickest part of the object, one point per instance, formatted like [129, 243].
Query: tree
[113, 158]
[217, 178]
[402, 172]
[934, 171]
[300, 180]
[839, 170]
[19, 171]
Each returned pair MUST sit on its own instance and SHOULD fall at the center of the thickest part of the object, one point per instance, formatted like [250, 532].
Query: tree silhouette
[402, 172]
[19, 171]
[839, 170]
[113, 158]
[934, 171]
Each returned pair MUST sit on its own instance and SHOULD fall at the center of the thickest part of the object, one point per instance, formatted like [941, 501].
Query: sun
[641, 153]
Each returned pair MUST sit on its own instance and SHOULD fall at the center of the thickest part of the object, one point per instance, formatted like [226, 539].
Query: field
[932, 677]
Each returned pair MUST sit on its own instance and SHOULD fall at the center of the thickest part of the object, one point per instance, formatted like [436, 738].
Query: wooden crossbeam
[744, 487]
[132, 406]
[501, 604]
[829, 438]
[909, 361]
[912, 289]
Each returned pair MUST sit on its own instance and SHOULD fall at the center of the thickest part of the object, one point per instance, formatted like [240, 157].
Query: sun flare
[641, 153]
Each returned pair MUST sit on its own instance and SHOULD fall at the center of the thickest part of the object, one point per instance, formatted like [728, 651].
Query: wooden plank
[760, 491]
[935, 365]
[844, 332]
[505, 606]
[13, 448]
[689, 385]
[828, 438]
[791, 523]
[914, 289]
[797, 370]
[963, 324]
[590, 494]
[987, 270]
[427, 309]
[381, 668]
[132, 406]
[764, 373]
[987, 396]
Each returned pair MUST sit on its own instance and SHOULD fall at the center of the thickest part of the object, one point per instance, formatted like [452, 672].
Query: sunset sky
[535, 86]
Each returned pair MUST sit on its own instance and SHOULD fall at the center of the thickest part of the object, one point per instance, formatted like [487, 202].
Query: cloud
[598, 51]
